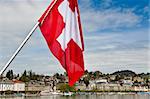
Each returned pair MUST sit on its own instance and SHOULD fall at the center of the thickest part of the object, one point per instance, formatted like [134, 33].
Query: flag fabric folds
[61, 27]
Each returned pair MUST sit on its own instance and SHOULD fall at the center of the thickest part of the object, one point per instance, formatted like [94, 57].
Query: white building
[5, 86]
[101, 81]
[12, 86]
[19, 86]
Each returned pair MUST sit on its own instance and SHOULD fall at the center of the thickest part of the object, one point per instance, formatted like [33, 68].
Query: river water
[86, 97]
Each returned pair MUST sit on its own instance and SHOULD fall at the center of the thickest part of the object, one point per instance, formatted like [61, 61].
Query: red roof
[17, 81]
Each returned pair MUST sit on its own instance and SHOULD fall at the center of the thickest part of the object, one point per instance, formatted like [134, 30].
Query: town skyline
[64, 73]
[120, 81]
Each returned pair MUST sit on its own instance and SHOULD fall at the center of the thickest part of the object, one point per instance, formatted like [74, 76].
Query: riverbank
[74, 94]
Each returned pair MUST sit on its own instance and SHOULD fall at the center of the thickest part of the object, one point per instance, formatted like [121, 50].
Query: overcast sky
[116, 35]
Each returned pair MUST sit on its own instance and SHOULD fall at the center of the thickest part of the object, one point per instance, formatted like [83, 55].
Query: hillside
[125, 73]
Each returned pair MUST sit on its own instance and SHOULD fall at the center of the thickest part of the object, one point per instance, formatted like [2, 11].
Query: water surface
[145, 96]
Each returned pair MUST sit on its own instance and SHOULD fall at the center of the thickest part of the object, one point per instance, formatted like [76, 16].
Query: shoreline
[75, 94]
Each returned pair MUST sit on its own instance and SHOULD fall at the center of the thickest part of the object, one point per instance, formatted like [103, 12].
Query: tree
[24, 77]
[147, 81]
[17, 75]
[117, 78]
[97, 74]
[9, 74]
[57, 75]
[86, 72]
[30, 74]
[86, 82]
[65, 88]
[65, 74]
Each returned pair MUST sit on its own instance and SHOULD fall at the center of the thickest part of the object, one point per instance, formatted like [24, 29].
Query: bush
[65, 88]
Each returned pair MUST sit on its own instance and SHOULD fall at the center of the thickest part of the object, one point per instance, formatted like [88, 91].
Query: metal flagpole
[25, 40]
[19, 48]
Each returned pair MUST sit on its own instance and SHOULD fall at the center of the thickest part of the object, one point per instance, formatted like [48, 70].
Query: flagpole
[19, 48]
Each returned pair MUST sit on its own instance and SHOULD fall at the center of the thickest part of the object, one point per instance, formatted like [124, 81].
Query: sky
[116, 36]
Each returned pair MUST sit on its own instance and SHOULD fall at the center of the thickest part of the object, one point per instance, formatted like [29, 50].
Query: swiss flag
[61, 28]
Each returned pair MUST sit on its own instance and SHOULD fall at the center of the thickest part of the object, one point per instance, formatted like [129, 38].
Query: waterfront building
[6, 86]
[12, 86]
[108, 87]
[99, 81]
[18, 85]
[140, 88]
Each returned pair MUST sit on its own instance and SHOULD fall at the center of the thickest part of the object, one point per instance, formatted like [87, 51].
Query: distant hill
[124, 73]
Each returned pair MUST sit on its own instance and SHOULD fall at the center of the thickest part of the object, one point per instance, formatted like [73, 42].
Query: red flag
[61, 28]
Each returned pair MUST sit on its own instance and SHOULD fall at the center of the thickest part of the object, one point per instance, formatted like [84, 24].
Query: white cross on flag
[61, 28]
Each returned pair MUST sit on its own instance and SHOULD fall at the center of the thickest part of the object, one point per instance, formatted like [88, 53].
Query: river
[135, 96]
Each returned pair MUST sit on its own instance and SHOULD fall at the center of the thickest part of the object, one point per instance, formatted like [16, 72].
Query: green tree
[86, 72]
[57, 75]
[65, 88]
[86, 82]
[24, 77]
[65, 74]
[97, 74]
[117, 78]
[9, 74]
[30, 74]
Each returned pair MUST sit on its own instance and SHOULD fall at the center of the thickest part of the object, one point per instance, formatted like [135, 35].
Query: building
[6, 86]
[18, 86]
[127, 82]
[12, 86]
[138, 79]
[108, 87]
[101, 81]
[112, 77]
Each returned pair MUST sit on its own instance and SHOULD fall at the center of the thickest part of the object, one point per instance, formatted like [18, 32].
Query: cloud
[105, 17]
[111, 60]
[122, 40]
[111, 19]
[106, 3]
[16, 19]
[110, 51]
